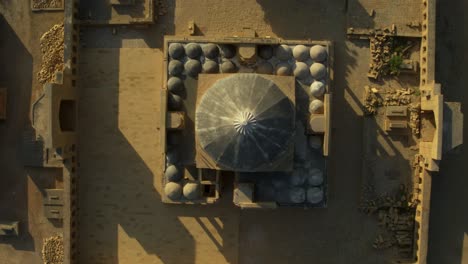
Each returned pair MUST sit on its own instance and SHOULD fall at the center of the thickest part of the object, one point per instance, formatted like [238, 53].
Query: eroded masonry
[214, 132]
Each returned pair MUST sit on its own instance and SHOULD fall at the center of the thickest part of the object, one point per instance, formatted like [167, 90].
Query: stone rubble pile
[395, 215]
[53, 250]
[415, 118]
[398, 97]
[371, 101]
[52, 54]
[41, 4]
[381, 52]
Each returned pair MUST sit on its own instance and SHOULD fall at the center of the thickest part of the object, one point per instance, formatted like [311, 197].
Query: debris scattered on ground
[381, 46]
[395, 214]
[387, 53]
[415, 118]
[383, 242]
[52, 54]
[371, 202]
[161, 7]
[43, 4]
[52, 250]
[371, 101]
[398, 97]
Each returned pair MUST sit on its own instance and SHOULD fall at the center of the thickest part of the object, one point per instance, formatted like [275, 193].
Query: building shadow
[448, 230]
[92, 11]
[317, 235]
[16, 77]
[122, 218]
[119, 195]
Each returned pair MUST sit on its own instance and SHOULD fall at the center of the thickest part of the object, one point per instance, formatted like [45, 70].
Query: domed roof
[176, 50]
[318, 53]
[318, 70]
[210, 66]
[173, 190]
[245, 122]
[210, 51]
[301, 70]
[193, 50]
[301, 52]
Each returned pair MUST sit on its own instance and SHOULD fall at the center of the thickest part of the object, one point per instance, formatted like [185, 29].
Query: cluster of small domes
[306, 186]
[189, 60]
[284, 60]
[306, 63]
[302, 186]
[200, 58]
[176, 187]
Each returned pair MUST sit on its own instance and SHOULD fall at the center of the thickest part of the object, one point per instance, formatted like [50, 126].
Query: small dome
[318, 53]
[297, 195]
[315, 142]
[191, 190]
[228, 51]
[265, 52]
[210, 67]
[301, 53]
[173, 190]
[301, 70]
[315, 177]
[283, 69]
[175, 67]
[283, 52]
[176, 51]
[193, 50]
[193, 67]
[318, 70]
[317, 89]
[175, 101]
[228, 66]
[175, 85]
[314, 195]
[265, 68]
[210, 50]
[316, 106]
[298, 177]
[172, 157]
[173, 173]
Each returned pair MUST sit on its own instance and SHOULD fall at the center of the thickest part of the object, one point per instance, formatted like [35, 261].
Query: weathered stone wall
[70, 177]
[424, 181]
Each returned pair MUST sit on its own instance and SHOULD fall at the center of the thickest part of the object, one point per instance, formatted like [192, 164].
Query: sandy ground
[122, 219]
[20, 190]
[119, 148]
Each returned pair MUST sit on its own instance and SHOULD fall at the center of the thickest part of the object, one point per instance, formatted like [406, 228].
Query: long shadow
[118, 199]
[120, 168]
[338, 234]
[102, 10]
[449, 214]
[296, 236]
[16, 76]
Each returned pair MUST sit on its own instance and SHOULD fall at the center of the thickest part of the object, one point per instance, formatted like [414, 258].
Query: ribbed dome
[244, 122]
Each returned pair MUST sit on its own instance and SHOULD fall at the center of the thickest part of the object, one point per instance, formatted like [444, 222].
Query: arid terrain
[20, 188]
[120, 73]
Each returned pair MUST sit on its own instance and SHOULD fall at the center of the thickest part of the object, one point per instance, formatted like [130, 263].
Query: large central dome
[245, 122]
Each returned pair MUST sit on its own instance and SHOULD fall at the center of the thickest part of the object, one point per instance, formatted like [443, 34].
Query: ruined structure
[175, 116]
